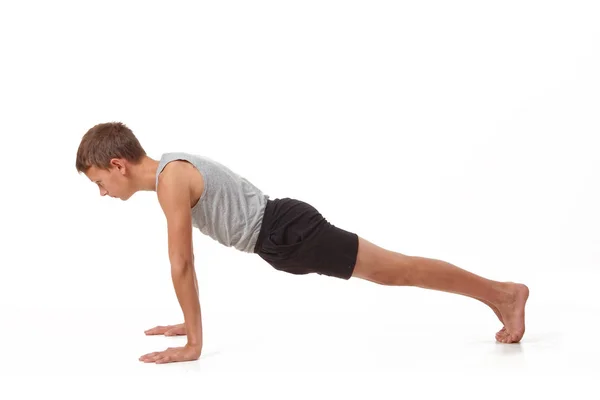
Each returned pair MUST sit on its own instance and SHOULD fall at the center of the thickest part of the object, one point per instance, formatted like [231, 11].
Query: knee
[383, 266]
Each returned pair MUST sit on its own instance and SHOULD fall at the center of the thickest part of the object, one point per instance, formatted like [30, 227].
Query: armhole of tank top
[204, 180]
[162, 168]
[205, 183]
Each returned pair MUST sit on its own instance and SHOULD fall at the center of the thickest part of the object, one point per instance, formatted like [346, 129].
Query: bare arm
[186, 288]
[174, 197]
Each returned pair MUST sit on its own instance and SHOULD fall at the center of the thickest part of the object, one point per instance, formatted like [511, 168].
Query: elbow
[180, 262]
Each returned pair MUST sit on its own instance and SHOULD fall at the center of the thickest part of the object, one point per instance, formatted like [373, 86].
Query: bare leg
[506, 299]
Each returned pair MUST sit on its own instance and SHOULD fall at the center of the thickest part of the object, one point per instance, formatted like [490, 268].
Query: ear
[118, 164]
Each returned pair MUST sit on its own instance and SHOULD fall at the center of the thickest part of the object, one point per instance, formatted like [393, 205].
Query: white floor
[390, 348]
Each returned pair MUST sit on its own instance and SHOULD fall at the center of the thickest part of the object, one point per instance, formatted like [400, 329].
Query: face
[113, 182]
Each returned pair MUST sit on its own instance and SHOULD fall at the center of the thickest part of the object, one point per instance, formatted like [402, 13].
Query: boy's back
[229, 208]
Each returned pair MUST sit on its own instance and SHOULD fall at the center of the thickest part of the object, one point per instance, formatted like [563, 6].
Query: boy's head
[106, 154]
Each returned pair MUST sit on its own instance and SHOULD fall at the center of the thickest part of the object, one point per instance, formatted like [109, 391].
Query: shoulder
[180, 180]
[173, 172]
[173, 183]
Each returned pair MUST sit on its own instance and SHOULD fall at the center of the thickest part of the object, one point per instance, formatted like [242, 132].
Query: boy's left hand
[173, 354]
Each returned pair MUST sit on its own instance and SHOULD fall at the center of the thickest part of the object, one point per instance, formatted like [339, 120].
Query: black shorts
[296, 238]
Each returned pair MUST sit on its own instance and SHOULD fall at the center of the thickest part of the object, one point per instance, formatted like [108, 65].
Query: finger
[160, 354]
[153, 358]
[157, 330]
[164, 359]
[169, 353]
[149, 356]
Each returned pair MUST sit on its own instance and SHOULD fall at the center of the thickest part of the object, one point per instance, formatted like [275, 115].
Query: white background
[459, 130]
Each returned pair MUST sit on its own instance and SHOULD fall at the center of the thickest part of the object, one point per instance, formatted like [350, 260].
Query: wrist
[194, 345]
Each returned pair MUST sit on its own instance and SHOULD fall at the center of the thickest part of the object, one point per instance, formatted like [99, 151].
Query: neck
[144, 174]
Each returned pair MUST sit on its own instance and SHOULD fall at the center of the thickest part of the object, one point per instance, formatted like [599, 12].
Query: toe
[501, 336]
[515, 338]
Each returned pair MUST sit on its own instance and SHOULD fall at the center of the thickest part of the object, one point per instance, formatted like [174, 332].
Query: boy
[291, 235]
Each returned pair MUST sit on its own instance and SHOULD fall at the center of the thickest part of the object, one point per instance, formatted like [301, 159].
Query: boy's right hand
[169, 330]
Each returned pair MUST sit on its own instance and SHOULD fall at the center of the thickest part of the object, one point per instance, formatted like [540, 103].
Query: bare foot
[497, 312]
[513, 313]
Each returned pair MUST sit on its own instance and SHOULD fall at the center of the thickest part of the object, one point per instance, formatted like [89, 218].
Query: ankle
[504, 293]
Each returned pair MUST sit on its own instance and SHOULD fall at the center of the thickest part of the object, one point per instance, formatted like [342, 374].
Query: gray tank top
[230, 209]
